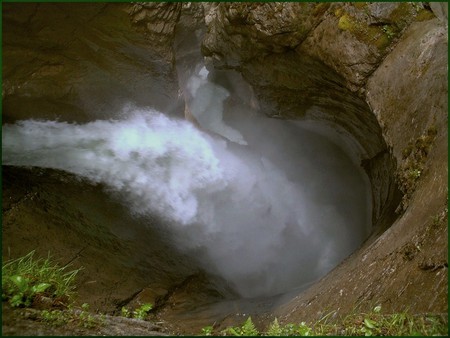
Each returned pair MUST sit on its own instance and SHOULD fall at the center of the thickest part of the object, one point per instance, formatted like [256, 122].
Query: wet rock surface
[82, 226]
[77, 62]
[26, 322]
[377, 72]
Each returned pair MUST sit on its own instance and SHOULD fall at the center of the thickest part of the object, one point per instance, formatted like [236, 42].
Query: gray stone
[382, 11]
[440, 9]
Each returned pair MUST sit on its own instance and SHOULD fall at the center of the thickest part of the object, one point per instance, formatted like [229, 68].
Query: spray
[270, 204]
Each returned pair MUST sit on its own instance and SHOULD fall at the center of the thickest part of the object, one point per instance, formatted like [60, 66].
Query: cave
[230, 160]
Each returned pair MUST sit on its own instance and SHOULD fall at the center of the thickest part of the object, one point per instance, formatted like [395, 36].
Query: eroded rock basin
[131, 258]
[118, 50]
[124, 262]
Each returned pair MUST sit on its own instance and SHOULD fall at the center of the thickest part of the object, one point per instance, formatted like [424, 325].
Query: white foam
[269, 216]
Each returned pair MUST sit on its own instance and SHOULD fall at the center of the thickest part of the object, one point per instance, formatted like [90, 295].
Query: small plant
[303, 329]
[275, 329]
[389, 31]
[142, 311]
[26, 279]
[55, 317]
[207, 330]
[22, 291]
[83, 318]
[139, 313]
[440, 217]
[247, 329]
[125, 312]
[414, 173]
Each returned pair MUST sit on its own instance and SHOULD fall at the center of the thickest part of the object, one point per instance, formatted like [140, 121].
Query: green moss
[378, 36]
[424, 15]
[403, 10]
[413, 165]
[338, 12]
[320, 9]
[402, 15]
[346, 23]
[360, 5]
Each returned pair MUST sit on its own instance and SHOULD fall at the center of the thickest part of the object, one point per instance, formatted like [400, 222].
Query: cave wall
[360, 66]
[303, 63]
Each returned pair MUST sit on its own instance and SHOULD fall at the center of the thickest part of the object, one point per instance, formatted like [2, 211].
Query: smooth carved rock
[79, 62]
[421, 58]
[239, 32]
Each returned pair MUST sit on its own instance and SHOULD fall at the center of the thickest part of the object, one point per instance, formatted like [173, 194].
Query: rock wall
[304, 63]
[359, 67]
[79, 62]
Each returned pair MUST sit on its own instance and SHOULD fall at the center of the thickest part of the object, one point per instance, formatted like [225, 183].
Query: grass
[377, 324]
[27, 281]
[40, 283]
[36, 282]
[373, 323]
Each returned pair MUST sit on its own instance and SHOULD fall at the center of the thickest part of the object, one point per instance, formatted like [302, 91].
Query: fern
[275, 329]
[247, 329]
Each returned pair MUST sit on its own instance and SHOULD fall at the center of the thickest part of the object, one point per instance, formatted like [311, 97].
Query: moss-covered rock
[357, 36]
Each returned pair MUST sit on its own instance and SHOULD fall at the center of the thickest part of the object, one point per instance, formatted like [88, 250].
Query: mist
[267, 205]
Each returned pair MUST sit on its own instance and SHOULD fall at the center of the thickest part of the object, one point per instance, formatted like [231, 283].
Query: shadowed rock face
[82, 62]
[360, 66]
[306, 73]
[376, 72]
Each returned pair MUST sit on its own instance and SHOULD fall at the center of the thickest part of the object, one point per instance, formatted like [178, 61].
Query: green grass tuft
[27, 279]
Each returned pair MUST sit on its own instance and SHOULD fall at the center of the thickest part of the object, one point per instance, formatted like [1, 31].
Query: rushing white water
[267, 206]
[268, 216]
[160, 164]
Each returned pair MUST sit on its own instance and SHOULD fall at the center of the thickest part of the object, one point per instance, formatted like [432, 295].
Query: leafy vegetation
[247, 329]
[207, 330]
[27, 280]
[139, 313]
[74, 316]
[36, 282]
[40, 283]
[373, 323]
